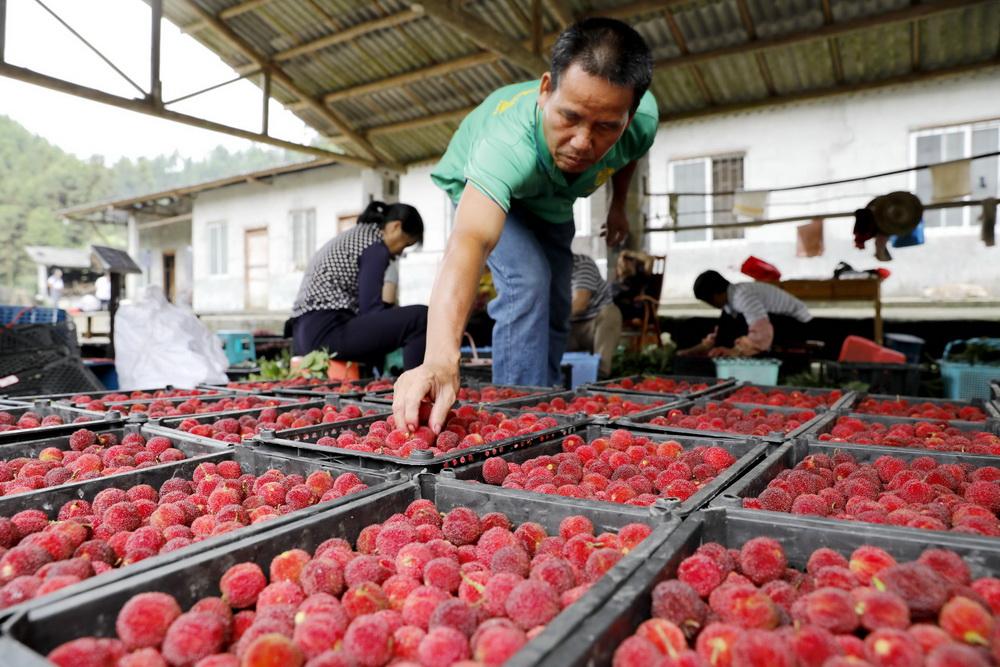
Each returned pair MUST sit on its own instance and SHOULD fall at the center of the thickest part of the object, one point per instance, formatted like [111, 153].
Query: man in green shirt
[514, 168]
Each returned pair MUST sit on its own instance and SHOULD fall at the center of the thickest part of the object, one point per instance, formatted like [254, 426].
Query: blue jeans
[532, 266]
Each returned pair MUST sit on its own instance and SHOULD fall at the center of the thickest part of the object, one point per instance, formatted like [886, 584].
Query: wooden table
[868, 290]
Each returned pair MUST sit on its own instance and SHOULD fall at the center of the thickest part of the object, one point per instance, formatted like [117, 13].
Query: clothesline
[824, 183]
[797, 218]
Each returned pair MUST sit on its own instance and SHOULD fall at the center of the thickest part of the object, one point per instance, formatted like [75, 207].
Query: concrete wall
[333, 191]
[153, 243]
[828, 139]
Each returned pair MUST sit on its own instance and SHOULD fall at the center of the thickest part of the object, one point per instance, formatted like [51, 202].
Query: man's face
[582, 118]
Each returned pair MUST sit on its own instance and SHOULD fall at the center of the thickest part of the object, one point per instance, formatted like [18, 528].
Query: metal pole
[155, 86]
[267, 98]
[3, 26]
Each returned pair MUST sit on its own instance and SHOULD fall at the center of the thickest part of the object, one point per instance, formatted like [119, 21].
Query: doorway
[256, 256]
[169, 275]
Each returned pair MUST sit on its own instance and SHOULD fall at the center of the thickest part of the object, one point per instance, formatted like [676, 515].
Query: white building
[238, 246]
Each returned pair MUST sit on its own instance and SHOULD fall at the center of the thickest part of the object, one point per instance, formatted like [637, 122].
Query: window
[217, 244]
[954, 143]
[345, 222]
[724, 173]
[303, 236]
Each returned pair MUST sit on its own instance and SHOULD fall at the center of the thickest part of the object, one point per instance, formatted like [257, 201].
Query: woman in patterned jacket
[339, 305]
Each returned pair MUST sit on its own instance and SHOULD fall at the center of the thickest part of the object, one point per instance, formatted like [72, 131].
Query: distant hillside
[37, 179]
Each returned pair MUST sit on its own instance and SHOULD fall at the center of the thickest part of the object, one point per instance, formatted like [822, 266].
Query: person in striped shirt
[595, 322]
[754, 317]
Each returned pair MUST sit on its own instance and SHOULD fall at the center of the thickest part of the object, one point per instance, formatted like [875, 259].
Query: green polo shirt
[500, 148]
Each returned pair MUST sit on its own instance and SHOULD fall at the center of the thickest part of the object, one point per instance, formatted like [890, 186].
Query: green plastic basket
[757, 371]
[966, 381]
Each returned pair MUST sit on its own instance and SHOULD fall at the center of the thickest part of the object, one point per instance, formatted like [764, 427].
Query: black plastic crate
[901, 379]
[826, 422]
[650, 400]
[67, 397]
[725, 394]
[714, 385]
[254, 462]
[170, 425]
[353, 389]
[854, 404]
[38, 631]
[641, 421]
[596, 639]
[747, 454]
[44, 409]
[129, 406]
[301, 442]
[386, 396]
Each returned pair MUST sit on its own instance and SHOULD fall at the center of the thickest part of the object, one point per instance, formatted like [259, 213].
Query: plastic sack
[159, 344]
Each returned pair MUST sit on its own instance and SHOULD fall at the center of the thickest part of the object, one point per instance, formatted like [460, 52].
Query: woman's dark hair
[708, 284]
[379, 213]
[606, 48]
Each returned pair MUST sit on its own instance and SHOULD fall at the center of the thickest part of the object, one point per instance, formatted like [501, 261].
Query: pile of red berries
[605, 405]
[659, 385]
[921, 493]
[163, 407]
[621, 468]
[237, 429]
[124, 526]
[490, 394]
[464, 428]
[99, 402]
[30, 419]
[419, 589]
[778, 397]
[748, 608]
[725, 418]
[900, 407]
[90, 455]
[314, 384]
[938, 436]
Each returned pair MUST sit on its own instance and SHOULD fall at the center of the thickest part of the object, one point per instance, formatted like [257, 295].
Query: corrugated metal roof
[714, 30]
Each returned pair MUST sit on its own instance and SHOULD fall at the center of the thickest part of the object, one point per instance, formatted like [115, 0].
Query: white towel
[950, 180]
[750, 204]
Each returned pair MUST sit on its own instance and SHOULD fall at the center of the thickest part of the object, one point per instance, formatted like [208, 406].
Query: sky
[120, 30]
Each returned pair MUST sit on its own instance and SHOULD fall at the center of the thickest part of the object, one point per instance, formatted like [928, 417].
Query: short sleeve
[747, 304]
[499, 170]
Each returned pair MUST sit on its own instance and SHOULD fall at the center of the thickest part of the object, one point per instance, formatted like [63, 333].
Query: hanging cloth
[951, 180]
[750, 204]
[810, 239]
[989, 219]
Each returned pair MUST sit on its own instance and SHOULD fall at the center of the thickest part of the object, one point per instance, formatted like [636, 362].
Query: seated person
[390, 284]
[754, 317]
[633, 274]
[340, 305]
[595, 322]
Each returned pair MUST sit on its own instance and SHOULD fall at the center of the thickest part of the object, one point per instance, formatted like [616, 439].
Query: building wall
[153, 243]
[823, 140]
[333, 191]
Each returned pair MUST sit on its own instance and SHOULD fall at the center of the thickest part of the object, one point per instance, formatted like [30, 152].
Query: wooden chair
[645, 330]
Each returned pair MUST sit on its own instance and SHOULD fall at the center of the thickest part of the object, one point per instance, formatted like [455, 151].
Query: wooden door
[256, 261]
[169, 275]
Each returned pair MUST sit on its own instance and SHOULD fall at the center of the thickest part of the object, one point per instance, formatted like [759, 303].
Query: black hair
[606, 48]
[708, 284]
[379, 213]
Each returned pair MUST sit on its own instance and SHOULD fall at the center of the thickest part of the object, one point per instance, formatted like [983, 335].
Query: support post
[3, 26]
[155, 86]
[266, 99]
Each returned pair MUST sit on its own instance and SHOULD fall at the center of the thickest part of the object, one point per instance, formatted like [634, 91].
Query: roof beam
[241, 8]
[634, 9]
[423, 121]
[280, 77]
[148, 108]
[562, 11]
[833, 45]
[346, 35]
[431, 71]
[681, 41]
[906, 14]
[765, 72]
[484, 36]
[913, 77]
